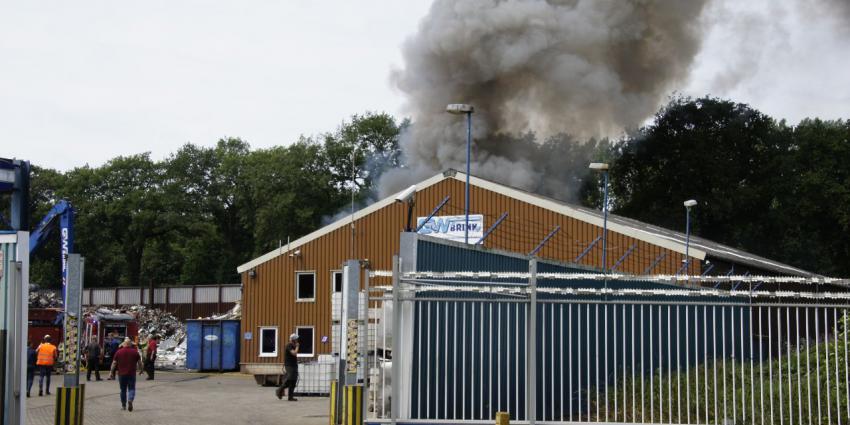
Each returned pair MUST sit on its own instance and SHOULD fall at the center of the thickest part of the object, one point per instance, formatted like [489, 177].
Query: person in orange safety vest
[46, 355]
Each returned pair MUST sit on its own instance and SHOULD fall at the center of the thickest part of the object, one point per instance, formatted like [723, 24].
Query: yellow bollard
[334, 420]
[70, 403]
[353, 404]
[503, 418]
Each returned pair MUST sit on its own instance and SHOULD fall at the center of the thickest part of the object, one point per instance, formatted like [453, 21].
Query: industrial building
[290, 288]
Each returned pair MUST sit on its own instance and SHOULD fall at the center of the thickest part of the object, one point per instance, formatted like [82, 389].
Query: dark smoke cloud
[589, 68]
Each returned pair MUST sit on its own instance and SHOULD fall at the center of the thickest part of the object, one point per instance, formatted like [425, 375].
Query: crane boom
[64, 213]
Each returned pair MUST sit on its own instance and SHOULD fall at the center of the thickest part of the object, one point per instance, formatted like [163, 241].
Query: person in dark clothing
[126, 362]
[31, 359]
[290, 363]
[150, 356]
[93, 359]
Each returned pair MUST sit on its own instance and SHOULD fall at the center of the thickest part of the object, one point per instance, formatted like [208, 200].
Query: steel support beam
[543, 242]
[620, 261]
[433, 213]
[654, 263]
[492, 228]
[586, 250]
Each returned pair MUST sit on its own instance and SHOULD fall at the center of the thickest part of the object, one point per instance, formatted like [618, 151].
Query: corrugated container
[212, 345]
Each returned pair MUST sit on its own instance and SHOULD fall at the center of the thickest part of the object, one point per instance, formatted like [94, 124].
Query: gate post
[531, 351]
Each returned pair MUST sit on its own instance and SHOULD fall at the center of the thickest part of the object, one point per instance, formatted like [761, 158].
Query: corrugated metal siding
[269, 297]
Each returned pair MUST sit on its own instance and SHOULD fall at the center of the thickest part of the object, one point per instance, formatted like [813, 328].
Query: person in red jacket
[125, 363]
[150, 355]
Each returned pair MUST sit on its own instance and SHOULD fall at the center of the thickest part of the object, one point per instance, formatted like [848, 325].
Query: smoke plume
[587, 68]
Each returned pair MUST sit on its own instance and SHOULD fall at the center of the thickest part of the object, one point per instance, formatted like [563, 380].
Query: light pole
[688, 204]
[603, 168]
[460, 109]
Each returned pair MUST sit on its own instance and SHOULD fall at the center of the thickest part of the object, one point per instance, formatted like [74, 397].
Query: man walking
[290, 363]
[46, 355]
[126, 362]
[92, 353]
[150, 356]
[31, 359]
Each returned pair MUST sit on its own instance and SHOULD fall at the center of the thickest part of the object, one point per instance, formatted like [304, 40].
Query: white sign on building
[452, 227]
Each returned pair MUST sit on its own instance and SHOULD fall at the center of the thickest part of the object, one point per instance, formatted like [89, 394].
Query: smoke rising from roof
[588, 68]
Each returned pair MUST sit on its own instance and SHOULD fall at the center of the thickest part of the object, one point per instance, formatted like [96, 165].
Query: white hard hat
[293, 337]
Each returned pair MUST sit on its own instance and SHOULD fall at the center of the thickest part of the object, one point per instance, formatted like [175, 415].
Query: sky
[83, 82]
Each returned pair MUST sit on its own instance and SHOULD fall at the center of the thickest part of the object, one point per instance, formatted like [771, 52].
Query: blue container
[212, 345]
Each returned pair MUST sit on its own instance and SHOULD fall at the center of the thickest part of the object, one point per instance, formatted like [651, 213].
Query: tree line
[777, 190]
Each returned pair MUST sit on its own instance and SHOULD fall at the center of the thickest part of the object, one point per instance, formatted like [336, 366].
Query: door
[211, 346]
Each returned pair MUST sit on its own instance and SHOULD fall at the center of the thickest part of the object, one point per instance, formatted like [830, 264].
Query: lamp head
[598, 166]
[690, 203]
[459, 109]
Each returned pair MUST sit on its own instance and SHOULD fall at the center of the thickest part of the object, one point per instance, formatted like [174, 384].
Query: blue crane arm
[64, 212]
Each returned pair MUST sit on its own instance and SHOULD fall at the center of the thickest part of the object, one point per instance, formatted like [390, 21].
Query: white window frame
[312, 328]
[333, 283]
[298, 298]
[276, 341]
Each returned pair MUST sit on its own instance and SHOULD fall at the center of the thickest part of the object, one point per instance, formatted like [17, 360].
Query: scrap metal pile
[44, 298]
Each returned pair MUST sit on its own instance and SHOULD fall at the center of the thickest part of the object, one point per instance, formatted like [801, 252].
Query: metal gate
[567, 347]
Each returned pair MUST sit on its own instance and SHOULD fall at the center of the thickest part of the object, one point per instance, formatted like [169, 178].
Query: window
[306, 341]
[305, 286]
[336, 281]
[268, 342]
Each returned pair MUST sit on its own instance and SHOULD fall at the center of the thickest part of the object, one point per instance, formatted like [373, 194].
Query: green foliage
[778, 191]
[193, 217]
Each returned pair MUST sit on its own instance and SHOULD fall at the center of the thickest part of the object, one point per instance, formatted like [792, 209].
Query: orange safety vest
[46, 354]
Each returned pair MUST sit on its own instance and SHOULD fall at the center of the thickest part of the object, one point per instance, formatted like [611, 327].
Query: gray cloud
[583, 67]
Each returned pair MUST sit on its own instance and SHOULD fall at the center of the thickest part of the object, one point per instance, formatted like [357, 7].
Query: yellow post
[353, 405]
[334, 420]
[503, 418]
[70, 403]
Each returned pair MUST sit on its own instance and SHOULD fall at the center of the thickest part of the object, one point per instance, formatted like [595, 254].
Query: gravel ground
[186, 399]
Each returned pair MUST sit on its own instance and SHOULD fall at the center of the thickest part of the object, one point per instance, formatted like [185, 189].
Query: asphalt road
[186, 399]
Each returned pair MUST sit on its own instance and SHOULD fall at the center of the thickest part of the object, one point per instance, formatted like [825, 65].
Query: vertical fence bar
[788, 356]
[761, 359]
[615, 352]
[723, 356]
[463, 363]
[705, 357]
[734, 357]
[498, 370]
[714, 358]
[634, 381]
[651, 371]
[642, 363]
[570, 358]
[552, 359]
[808, 379]
[587, 346]
[596, 306]
[531, 354]
[826, 364]
[779, 363]
[800, 373]
[817, 361]
[561, 334]
[454, 363]
[490, 413]
[481, 369]
[770, 364]
[837, 384]
[846, 359]
[427, 363]
[752, 371]
[605, 327]
[678, 365]
[743, 363]
[687, 365]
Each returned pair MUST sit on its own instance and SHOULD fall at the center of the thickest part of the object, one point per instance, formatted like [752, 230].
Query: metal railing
[566, 350]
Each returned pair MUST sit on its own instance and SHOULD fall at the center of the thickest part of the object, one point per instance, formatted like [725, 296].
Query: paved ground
[186, 399]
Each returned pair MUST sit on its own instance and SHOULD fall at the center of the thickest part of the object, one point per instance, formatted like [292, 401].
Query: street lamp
[688, 204]
[603, 168]
[460, 109]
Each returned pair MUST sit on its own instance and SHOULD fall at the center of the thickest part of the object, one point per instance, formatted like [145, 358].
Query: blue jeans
[44, 371]
[128, 388]
[30, 378]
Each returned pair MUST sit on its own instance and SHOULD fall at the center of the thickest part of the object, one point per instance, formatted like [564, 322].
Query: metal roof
[666, 238]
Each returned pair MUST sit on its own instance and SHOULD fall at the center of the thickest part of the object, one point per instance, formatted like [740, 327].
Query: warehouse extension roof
[699, 248]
